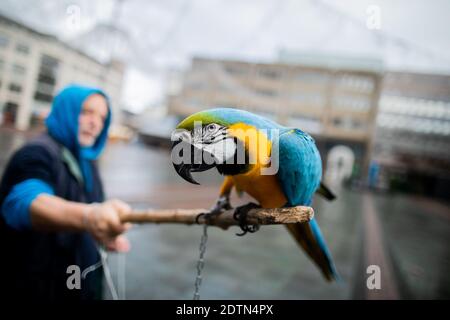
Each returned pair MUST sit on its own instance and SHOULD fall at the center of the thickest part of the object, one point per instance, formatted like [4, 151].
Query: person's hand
[102, 220]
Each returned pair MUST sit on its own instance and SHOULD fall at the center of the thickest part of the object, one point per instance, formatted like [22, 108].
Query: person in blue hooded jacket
[53, 211]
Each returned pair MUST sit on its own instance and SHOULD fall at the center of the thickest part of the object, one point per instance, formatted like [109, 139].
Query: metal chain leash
[201, 262]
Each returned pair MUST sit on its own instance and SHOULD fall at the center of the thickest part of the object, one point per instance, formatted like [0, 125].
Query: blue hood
[62, 125]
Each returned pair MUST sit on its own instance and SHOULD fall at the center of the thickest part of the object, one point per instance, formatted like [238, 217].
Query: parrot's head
[213, 138]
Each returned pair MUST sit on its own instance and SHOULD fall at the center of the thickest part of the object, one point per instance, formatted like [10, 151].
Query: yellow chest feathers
[264, 188]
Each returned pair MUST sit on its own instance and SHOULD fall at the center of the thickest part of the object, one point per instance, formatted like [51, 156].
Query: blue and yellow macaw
[242, 146]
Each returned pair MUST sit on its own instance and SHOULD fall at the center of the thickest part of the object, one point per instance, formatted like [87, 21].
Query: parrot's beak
[191, 163]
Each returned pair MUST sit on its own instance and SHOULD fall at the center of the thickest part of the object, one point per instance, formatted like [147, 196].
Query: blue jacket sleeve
[16, 206]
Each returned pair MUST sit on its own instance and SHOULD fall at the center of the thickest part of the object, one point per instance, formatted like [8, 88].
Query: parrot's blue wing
[299, 173]
[300, 167]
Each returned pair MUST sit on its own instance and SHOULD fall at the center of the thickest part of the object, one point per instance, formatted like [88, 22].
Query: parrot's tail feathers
[325, 192]
[309, 237]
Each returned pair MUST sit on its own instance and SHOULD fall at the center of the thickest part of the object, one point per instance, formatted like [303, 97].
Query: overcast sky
[155, 36]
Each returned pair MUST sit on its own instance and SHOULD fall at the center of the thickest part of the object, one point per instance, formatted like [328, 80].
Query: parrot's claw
[222, 204]
[240, 214]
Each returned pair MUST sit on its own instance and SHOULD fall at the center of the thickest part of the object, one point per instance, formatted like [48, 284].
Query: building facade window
[18, 69]
[268, 73]
[4, 41]
[348, 123]
[48, 71]
[10, 112]
[266, 92]
[14, 87]
[23, 48]
[235, 69]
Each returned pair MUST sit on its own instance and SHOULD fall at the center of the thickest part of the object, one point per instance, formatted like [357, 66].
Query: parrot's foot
[240, 214]
[222, 204]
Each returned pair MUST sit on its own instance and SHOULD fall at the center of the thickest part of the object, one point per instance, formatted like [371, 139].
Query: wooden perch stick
[225, 219]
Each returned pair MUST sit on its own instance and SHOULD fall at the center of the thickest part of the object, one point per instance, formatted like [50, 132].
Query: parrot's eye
[211, 127]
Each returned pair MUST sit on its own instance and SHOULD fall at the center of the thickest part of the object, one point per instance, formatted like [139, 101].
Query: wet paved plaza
[407, 236]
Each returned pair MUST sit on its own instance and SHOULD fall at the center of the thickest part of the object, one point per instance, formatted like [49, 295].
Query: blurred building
[412, 142]
[393, 127]
[34, 66]
[336, 103]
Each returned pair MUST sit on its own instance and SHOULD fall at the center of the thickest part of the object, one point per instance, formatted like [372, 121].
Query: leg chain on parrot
[200, 262]
[240, 215]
